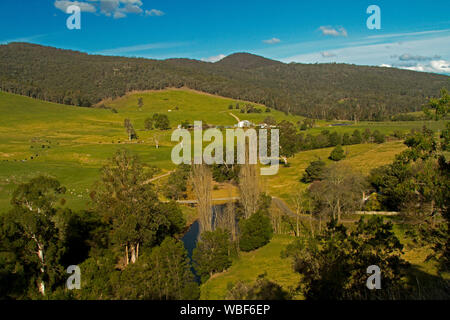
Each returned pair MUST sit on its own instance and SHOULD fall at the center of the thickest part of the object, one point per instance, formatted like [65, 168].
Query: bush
[256, 232]
[337, 154]
[333, 265]
[261, 289]
[346, 140]
[314, 172]
[373, 204]
[378, 137]
[356, 137]
[212, 254]
[161, 121]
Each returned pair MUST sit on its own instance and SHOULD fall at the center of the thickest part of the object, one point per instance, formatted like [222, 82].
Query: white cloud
[430, 54]
[436, 66]
[329, 31]
[410, 57]
[85, 7]
[154, 12]
[110, 8]
[214, 58]
[327, 54]
[142, 47]
[119, 14]
[272, 41]
[406, 34]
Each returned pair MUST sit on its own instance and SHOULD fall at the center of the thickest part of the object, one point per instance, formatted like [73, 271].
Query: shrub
[378, 137]
[256, 232]
[212, 254]
[261, 289]
[337, 154]
[314, 172]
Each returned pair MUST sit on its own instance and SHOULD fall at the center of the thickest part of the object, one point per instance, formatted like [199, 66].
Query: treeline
[291, 141]
[319, 91]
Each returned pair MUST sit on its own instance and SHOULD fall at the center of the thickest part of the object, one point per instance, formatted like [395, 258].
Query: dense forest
[324, 91]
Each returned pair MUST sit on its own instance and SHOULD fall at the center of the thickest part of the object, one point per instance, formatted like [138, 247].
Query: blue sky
[414, 34]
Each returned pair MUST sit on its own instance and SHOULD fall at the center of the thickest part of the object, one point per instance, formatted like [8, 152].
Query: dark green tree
[334, 139]
[440, 106]
[356, 137]
[378, 137]
[31, 238]
[288, 139]
[314, 172]
[177, 183]
[346, 139]
[163, 274]
[256, 232]
[334, 265]
[129, 203]
[161, 121]
[337, 154]
[212, 253]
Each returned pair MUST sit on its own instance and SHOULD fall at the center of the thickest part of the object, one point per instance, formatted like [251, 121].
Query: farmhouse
[244, 124]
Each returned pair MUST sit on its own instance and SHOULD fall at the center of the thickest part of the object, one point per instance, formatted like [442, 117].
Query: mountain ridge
[331, 91]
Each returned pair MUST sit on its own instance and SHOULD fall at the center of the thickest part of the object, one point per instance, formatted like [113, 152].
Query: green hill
[72, 143]
[325, 91]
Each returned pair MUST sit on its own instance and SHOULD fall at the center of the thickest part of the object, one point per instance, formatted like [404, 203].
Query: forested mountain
[333, 91]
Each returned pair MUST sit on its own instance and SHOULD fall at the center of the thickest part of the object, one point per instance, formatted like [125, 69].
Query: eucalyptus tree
[130, 205]
[30, 230]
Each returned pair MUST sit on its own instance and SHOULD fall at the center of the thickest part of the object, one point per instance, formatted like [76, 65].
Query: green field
[249, 265]
[73, 143]
[362, 157]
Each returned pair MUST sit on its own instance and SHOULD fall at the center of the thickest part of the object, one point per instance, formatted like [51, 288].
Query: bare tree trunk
[311, 217]
[133, 254]
[338, 211]
[137, 251]
[249, 188]
[202, 181]
[40, 254]
[126, 254]
[433, 216]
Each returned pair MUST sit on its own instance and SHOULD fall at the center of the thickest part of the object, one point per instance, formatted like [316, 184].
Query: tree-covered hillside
[333, 91]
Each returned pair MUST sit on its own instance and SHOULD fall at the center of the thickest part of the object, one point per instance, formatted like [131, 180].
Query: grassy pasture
[362, 157]
[250, 265]
[72, 144]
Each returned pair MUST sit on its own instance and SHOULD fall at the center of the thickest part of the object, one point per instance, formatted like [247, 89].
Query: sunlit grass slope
[266, 260]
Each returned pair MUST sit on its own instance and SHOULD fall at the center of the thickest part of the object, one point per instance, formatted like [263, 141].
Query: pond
[190, 238]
